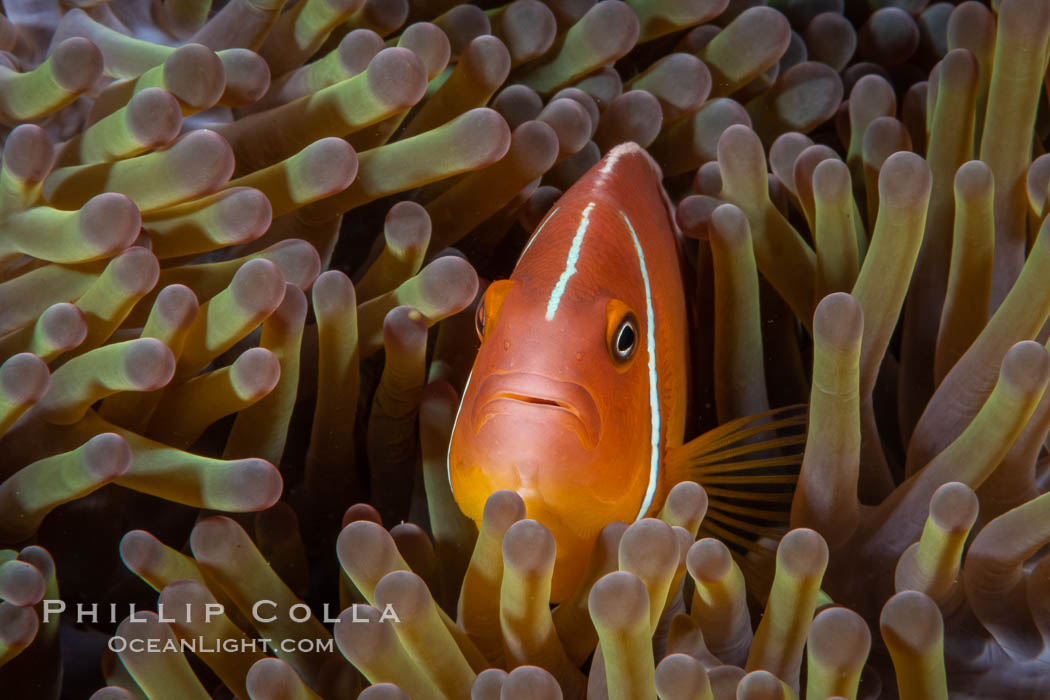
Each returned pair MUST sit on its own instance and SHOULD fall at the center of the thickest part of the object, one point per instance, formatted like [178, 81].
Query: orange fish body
[579, 389]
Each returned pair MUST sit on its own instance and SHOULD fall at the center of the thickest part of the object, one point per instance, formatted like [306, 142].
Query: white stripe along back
[654, 394]
[537, 234]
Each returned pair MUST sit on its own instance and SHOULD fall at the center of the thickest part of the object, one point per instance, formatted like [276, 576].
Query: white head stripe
[448, 452]
[610, 161]
[654, 394]
[570, 263]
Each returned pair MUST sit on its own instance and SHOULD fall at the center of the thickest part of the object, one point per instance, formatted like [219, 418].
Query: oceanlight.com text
[204, 645]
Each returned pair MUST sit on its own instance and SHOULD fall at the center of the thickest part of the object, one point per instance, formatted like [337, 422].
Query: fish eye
[625, 339]
[621, 333]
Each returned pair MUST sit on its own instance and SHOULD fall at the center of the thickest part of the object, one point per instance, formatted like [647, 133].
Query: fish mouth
[568, 402]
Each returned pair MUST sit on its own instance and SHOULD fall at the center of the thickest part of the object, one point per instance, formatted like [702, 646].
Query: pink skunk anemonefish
[577, 397]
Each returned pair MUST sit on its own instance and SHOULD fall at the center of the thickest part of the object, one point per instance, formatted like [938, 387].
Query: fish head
[557, 410]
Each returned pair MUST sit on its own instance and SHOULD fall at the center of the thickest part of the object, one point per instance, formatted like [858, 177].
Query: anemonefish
[577, 398]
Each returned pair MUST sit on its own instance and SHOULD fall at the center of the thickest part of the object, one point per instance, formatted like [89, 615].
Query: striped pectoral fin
[749, 468]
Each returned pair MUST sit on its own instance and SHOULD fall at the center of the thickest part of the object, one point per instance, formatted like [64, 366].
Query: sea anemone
[240, 251]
